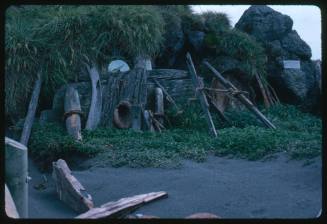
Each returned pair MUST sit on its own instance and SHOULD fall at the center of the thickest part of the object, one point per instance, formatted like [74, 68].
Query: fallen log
[16, 166]
[28, 123]
[69, 189]
[121, 207]
[198, 86]
[240, 96]
[94, 116]
[72, 113]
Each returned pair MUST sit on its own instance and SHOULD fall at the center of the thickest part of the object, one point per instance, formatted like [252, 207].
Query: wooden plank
[159, 105]
[28, 123]
[94, 116]
[121, 207]
[10, 206]
[69, 189]
[72, 109]
[16, 166]
[198, 85]
[263, 91]
[243, 99]
[220, 113]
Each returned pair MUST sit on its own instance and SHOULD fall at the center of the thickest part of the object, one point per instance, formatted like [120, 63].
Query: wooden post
[10, 206]
[159, 105]
[121, 207]
[136, 117]
[94, 116]
[198, 85]
[69, 189]
[147, 121]
[243, 99]
[31, 111]
[220, 113]
[16, 165]
[72, 113]
[263, 91]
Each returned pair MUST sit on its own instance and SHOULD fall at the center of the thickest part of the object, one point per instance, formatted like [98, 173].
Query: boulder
[264, 23]
[299, 86]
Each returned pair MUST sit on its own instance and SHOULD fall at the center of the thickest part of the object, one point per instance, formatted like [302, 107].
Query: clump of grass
[297, 133]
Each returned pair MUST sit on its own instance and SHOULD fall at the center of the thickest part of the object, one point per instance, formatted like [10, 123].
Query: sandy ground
[230, 188]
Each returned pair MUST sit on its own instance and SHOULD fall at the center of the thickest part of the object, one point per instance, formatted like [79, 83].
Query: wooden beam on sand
[69, 189]
[121, 207]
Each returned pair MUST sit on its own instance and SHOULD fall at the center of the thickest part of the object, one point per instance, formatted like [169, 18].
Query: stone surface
[274, 31]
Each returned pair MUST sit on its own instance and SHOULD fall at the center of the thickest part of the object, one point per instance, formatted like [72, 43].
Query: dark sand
[230, 188]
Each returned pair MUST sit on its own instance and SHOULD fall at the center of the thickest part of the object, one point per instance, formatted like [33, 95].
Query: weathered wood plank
[121, 207]
[72, 113]
[94, 115]
[10, 206]
[159, 111]
[69, 189]
[16, 166]
[31, 111]
[198, 85]
[243, 99]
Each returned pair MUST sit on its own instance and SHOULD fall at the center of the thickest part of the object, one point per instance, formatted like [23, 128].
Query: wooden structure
[240, 96]
[16, 178]
[69, 189]
[198, 86]
[73, 113]
[10, 206]
[159, 112]
[94, 115]
[130, 87]
[31, 111]
[121, 207]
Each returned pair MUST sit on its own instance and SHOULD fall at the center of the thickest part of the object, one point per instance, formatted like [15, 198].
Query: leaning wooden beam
[263, 91]
[220, 113]
[243, 99]
[72, 114]
[31, 111]
[94, 116]
[10, 206]
[168, 97]
[198, 85]
[16, 165]
[159, 112]
[69, 189]
[121, 207]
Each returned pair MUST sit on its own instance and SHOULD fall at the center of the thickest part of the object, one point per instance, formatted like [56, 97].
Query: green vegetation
[58, 40]
[298, 134]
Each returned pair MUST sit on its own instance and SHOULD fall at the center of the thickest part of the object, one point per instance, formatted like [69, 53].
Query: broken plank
[69, 189]
[121, 207]
[198, 85]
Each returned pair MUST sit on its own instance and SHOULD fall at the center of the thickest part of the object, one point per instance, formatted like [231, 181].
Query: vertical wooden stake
[16, 174]
[198, 84]
[159, 105]
[31, 111]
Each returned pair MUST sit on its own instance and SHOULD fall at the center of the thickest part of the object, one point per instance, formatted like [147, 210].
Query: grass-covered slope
[297, 133]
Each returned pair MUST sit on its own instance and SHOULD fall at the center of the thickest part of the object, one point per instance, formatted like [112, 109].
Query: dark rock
[48, 116]
[264, 23]
[195, 39]
[293, 43]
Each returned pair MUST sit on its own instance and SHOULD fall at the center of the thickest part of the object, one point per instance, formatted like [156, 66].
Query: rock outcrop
[294, 85]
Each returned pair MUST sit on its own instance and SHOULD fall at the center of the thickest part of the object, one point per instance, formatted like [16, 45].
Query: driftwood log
[16, 166]
[72, 113]
[94, 115]
[198, 86]
[10, 206]
[243, 99]
[69, 189]
[31, 111]
[121, 207]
